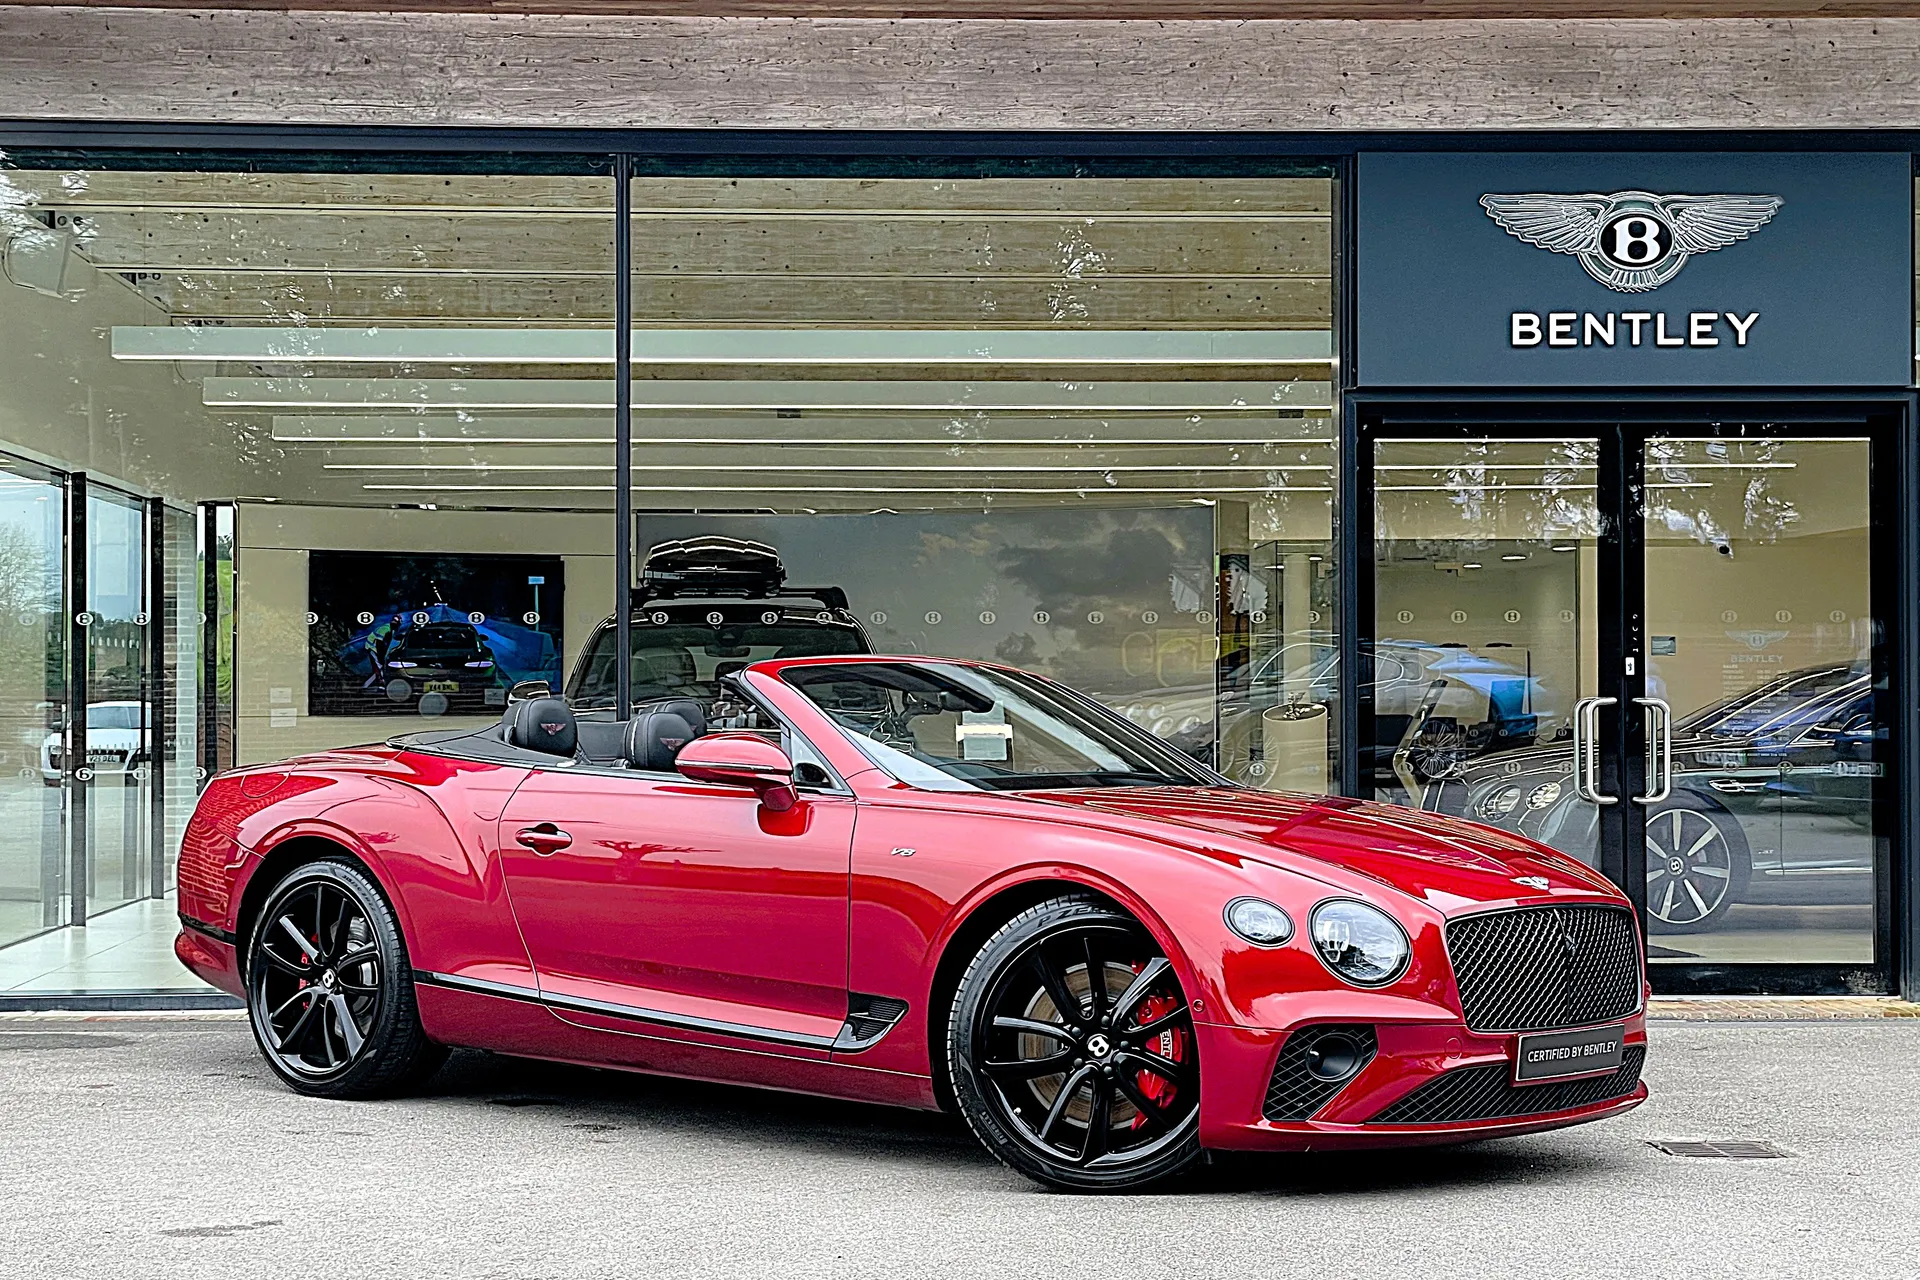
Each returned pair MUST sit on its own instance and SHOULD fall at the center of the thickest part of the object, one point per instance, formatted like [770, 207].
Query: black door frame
[1622, 421]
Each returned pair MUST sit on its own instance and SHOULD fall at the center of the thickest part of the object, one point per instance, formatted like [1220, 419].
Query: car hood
[1443, 861]
[102, 740]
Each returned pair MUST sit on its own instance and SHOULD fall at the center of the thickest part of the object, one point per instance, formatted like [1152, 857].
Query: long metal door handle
[1586, 750]
[1659, 751]
[544, 839]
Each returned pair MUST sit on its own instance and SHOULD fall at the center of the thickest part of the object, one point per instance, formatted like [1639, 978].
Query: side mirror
[740, 760]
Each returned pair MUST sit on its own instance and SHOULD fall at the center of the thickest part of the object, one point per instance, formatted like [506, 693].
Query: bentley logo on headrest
[553, 727]
[1631, 241]
[675, 743]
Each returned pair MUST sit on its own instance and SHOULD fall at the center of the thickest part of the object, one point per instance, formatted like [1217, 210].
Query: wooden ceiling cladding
[1072, 10]
[988, 253]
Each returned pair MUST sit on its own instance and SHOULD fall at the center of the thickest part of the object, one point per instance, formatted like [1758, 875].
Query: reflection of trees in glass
[1715, 491]
[31, 668]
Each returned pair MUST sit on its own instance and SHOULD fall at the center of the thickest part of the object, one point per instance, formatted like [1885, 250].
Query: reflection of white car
[116, 742]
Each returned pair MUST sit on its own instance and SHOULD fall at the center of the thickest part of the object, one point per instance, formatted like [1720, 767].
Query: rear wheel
[1697, 867]
[1072, 1051]
[329, 990]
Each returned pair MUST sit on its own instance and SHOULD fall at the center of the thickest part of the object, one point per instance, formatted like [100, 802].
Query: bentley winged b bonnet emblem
[1631, 241]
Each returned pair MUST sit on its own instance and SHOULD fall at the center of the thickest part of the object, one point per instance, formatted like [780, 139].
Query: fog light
[1334, 1057]
[1259, 921]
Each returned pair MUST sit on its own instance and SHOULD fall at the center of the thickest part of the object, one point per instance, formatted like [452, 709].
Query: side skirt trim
[632, 1013]
[213, 931]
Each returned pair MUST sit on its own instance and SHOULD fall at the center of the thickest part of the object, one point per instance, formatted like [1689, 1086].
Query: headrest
[688, 709]
[654, 736]
[543, 724]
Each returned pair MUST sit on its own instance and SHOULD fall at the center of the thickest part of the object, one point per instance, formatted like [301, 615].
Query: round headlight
[1361, 944]
[1259, 922]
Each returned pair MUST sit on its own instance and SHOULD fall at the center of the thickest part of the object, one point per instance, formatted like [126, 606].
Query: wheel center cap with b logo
[1098, 1045]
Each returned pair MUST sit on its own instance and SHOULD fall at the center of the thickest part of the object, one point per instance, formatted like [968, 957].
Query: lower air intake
[1488, 1093]
[1301, 1083]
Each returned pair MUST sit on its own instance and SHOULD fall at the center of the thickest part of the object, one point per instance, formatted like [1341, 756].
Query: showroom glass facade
[301, 453]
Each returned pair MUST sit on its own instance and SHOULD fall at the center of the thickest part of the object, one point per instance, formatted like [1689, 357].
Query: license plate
[443, 686]
[1554, 1055]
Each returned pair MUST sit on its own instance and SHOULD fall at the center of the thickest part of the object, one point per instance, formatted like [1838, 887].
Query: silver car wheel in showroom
[1696, 863]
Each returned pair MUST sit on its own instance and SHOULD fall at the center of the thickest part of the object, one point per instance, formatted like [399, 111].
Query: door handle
[1659, 751]
[1586, 750]
[544, 839]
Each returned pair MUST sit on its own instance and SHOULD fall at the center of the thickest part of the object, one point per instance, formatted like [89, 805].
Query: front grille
[1295, 1093]
[1542, 968]
[1488, 1093]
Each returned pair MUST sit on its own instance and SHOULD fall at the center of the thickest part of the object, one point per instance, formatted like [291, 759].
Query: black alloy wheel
[1071, 1050]
[329, 991]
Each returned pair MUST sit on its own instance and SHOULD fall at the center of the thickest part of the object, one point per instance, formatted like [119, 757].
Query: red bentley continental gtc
[922, 882]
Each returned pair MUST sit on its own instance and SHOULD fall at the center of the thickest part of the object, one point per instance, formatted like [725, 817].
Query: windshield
[113, 717]
[687, 659]
[1801, 699]
[951, 727]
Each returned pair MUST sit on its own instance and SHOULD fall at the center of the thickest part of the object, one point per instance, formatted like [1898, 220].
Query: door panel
[1761, 630]
[1485, 636]
[689, 901]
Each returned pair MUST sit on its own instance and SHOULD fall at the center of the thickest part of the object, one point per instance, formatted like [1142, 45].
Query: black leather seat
[657, 732]
[546, 725]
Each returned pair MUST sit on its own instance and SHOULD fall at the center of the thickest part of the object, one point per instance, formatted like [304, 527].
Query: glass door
[1491, 591]
[1765, 823]
[32, 699]
[1659, 649]
[115, 772]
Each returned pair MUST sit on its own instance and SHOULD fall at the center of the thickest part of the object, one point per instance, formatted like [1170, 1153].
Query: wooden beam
[83, 192]
[1222, 302]
[347, 68]
[691, 246]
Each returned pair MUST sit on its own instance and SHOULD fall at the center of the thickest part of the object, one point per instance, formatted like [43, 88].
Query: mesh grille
[1294, 1093]
[1542, 968]
[1488, 1093]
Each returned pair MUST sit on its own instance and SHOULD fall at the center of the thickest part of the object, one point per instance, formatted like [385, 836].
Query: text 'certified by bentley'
[1555, 1054]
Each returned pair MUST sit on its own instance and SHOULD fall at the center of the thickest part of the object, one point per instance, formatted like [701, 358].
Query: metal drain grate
[1734, 1149]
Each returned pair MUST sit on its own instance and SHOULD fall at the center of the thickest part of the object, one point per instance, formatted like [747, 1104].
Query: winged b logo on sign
[1631, 241]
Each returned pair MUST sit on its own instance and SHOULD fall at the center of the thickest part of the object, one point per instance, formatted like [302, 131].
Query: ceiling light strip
[328, 345]
[886, 468]
[1088, 491]
[695, 395]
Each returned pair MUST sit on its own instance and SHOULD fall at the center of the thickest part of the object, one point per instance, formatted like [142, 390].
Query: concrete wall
[279, 68]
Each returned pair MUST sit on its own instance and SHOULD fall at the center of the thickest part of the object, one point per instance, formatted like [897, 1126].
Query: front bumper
[1238, 1066]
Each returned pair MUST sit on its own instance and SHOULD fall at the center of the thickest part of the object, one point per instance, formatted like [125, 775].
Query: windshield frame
[1168, 766]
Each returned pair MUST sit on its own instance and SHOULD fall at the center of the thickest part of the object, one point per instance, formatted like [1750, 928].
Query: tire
[1122, 1110]
[1713, 874]
[361, 1038]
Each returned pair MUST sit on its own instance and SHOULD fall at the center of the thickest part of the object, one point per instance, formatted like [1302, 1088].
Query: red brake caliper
[1170, 1044]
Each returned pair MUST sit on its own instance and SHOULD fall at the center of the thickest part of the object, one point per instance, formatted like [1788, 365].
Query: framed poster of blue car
[398, 633]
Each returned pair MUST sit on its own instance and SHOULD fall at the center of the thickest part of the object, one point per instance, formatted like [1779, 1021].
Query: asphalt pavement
[163, 1147]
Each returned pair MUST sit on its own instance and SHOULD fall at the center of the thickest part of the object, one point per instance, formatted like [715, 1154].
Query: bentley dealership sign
[1567, 269]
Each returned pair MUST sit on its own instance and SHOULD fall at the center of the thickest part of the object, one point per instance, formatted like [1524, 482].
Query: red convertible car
[922, 882]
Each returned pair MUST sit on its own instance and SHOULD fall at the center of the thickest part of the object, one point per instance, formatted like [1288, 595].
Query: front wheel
[1072, 1050]
[329, 990]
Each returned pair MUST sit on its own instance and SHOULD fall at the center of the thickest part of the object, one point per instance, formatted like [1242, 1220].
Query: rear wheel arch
[287, 855]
